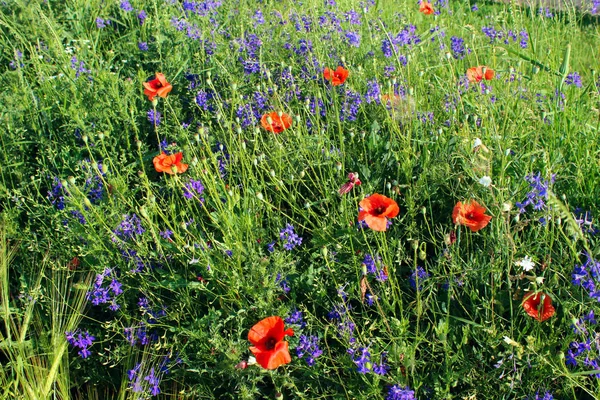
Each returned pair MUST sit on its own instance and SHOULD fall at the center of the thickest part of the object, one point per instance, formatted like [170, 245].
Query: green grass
[76, 162]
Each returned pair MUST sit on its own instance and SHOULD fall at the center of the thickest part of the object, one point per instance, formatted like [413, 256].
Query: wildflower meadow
[299, 199]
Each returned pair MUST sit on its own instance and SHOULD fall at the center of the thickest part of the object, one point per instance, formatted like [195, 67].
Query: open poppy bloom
[538, 305]
[157, 86]
[471, 215]
[269, 348]
[426, 8]
[375, 211]
[336, 77]
[169, 163]
[477, 74]
[273, 122]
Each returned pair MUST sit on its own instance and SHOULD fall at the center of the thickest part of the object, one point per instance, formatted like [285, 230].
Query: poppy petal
[376, 223]
[270, 327]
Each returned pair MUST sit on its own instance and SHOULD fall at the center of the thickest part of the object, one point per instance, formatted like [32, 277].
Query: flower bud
[87, 202]
[84, 138]
[138, 143]
[259, 196]
[71, 180]
[100, 135]
[104, 168]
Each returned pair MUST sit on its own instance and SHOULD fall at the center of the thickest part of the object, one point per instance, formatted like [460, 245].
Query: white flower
[526, 263]
[476, 143]
[485, 181]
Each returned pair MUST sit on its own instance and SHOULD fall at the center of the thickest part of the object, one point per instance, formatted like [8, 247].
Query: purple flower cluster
[457, 45]
[154, 117]
[350, 106]
[309, 347]
[581, 351]
[101, 23]
[101, 293]
[352, 38]
[362, 359]
[339, 315]
[194, 188]
[406, 37]
[373, 266]
[56, 194]
[373, 94]
[283, 283]
[17, 60]
[417, 278]
[129, 228]
[136, 381]
[586, 221]
[398, 392]
[296, 318]
[139, 334]
[545, 396]
[80, 340]
[79, 67]
[506, 36]
[573, 79]
[587, 275]
[289, 237]
[538, 194]
[126, 6]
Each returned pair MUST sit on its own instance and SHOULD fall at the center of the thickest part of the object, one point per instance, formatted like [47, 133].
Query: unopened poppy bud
[259, 196]
[324, 251]
[140, 173]
[84, 138]
[421, 73]
[351, 134]
[183, 225]
[506, 207]
[144, 212]
[154, 102]
[388, 185]
[244, 145]
[278, 396]
[152, 199]
[269, 120]
[234, 87]
[307, 205]
[272, 173]
[95, 165]
[302, 173]
[104, 169]
[238, 130]
[338, 166]
[100, 135]
[138, 143]
[194, 161]
[64, 183]
[411, 91]
[414, 244]
[448, 56]
[87, 202]
[255, 162]
[422, 255]
[297, 118]
[423, 210]
[209, 81]
[230, 193]
[71, 180]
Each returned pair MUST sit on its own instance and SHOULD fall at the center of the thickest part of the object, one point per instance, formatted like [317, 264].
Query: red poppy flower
[269, 348]
[273, 122]
[157, 86]
[538, 305]
[375, 211]
[477, 74]
[471, 215]
[336, 77]
[426, 8]
[165, 162]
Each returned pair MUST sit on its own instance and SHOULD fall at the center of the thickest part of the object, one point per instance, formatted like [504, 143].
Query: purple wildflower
[289, 237]
[154, 117]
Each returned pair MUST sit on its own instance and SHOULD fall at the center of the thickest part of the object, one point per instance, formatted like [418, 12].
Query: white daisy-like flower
[485, 181]
[526, 263]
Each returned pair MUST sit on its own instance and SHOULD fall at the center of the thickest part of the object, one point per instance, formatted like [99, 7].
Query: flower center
[471, 215]
[270, 343]
[379, 210]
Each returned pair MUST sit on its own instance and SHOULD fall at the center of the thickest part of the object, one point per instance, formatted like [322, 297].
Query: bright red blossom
[471, 215]
[269, 348]
[157, 86]
[375, 211]
[426, 8]
[169, 163]
[538, 305]
[477, 74]
[336, 77]
[273, 122]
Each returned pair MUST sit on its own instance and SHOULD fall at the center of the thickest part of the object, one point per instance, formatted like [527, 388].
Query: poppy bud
[414, 244]
[255, 162]
[388, 185]
[297, 118]
[208, 81]
[269, 120]
[302, 173]
[259, 196]
[278, 396]
[87, 202]
[194, 161]
[272, 173]
[183, 225]
[152, 199]
[338, 166]
[144, 212]
[422, 255]
[104, 168]
[71, 180]
[138, 143]
[238, 130]
[84, 138]
[64, 183]
[100, 135]
[324, 251]
[244, 145]
[234, 87]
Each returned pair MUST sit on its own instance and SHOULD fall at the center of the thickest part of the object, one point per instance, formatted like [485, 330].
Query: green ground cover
[298, 199]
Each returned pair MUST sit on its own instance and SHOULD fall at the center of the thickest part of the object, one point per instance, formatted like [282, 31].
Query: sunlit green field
[299, 200]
